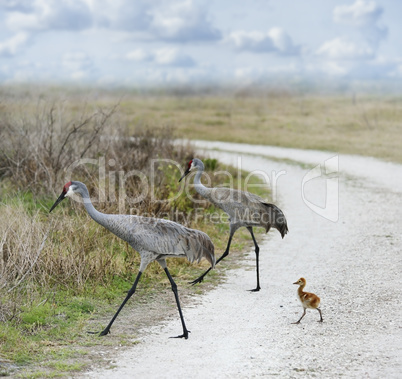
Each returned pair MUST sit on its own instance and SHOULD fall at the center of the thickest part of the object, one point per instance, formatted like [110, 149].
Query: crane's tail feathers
[276, 219]
[284, 230]
[209, 251]
[198, 247]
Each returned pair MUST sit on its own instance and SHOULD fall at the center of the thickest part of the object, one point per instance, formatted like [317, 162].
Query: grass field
[366, 125]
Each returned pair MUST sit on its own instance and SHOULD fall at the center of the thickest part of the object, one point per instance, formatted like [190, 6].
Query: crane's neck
[99, 217]
[300, 290]
[199, 187]
[96, 215]
[120, 225]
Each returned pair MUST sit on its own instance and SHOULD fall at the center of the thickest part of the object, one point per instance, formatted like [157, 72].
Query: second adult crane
[243, 208]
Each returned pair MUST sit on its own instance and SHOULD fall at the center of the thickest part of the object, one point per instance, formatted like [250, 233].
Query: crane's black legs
[298, 322]
[321, 319]
[201, 278]
[304, 313]
[129, 294]
[257, 255]
[174, 289]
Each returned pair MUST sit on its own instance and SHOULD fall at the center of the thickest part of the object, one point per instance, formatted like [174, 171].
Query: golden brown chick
[308, 300]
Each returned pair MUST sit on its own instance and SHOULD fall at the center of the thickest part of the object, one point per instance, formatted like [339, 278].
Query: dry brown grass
[365, 125]
[59, 250]
[355, 124]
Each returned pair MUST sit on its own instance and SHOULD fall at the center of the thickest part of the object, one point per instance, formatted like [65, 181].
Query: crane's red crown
[189, 163]
[66, 187]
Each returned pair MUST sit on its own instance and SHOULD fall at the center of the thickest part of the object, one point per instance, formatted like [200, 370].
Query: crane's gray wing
[249, 209]
[168, 238]
[222, 197]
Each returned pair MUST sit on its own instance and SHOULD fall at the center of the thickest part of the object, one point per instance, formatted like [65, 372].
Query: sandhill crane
[243, 208]
[308, 300]
[153, 238]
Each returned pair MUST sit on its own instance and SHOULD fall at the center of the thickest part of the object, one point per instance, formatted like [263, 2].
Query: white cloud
[360, 13]
[121, 14]
[154, 32]
[13, 45]
[167, 20]
[139, 55]
[23, 71]
[164, 57]
[182, 22]
[275, 40]
[365, 16]
[332, 69]
[172, 57]
[397, 71]
[78, 64]
[51, 14]
[17, 5]
[77, 60]
[248, 75]
[282, 42]
[254, 41]
[175, 21]
[376, 69]
[343, 49]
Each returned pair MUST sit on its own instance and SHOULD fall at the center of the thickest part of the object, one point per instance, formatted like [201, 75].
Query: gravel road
[352, 262]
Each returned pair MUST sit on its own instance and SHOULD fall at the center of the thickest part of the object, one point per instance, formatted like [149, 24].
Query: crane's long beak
[61, 197]
[185, 174]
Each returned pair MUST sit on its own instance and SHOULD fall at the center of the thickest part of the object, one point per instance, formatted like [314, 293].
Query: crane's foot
[320, 320]
[198, 280]
[255, 289]
[102, 333]
[184, 335]
[295, 323]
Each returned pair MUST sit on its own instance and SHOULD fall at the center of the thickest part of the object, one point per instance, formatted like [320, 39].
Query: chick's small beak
[61, 197]
[185, 174]
[295, 283]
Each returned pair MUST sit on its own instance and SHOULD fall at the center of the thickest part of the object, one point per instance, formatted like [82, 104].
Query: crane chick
[308, 299]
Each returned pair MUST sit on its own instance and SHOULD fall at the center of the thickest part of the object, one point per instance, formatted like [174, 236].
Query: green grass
[50, 333]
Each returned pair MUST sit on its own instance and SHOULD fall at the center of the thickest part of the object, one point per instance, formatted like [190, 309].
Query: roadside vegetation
[61, 274]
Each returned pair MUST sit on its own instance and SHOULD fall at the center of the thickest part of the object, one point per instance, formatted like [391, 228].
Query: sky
[164, 42]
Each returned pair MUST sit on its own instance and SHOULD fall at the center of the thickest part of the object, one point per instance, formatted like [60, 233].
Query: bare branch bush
[35, 147]
[39, 145]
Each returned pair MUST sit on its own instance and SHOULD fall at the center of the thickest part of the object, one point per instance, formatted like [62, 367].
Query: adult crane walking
[153, 238]
[243, 208]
